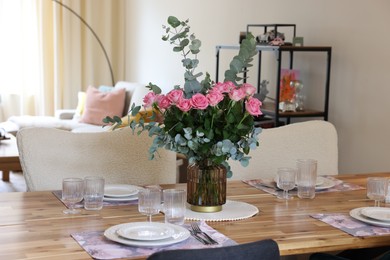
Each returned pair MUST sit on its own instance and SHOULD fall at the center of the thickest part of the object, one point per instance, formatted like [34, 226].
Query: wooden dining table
[32, 225]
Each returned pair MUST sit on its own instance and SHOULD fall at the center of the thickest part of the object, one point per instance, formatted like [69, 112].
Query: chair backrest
[48, 155]
[264, 250]
[282, 146]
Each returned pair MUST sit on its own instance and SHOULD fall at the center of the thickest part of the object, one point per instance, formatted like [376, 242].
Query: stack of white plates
[378, 216]
[147, 234]
[120, 192]
[324, 183]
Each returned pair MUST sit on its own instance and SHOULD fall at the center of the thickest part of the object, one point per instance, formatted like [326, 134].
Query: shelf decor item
[207, 122]
[288, 90]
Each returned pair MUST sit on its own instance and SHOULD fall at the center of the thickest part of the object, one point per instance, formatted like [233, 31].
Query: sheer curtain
[20, 77]
[47, 54]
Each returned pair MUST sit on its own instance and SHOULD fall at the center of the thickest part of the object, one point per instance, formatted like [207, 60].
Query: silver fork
[195, 227]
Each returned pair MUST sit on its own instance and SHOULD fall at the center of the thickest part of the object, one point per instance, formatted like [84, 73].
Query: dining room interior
[122, 51]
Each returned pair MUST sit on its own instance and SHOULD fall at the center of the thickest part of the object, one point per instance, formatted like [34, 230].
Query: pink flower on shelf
[249, 89]
[199, 101]
[214, 97]
[252, 105]
[175, 95]
[224, 87]
[149, 99]
[184, 105]
[163, 102]
[237, 94]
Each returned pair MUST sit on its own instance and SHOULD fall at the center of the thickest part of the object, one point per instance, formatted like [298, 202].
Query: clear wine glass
[72, 192]
[377, 189]
[285, 181]
[149, 202]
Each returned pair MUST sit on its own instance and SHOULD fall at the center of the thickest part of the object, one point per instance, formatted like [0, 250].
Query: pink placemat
[350, 225]
[58, 194]
[269, 186]
[99, 247]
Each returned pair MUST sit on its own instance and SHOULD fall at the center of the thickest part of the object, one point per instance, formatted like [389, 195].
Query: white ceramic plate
[377, 213]
[130, 198]
[326, 184]
[180, 234]
[356, 214]
[319, 182]
[120, 190]
[146, 231]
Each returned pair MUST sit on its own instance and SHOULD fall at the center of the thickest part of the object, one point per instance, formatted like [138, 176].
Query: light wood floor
[15, 184]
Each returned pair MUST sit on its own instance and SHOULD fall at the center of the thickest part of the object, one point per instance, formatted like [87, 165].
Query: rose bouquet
[202, 120]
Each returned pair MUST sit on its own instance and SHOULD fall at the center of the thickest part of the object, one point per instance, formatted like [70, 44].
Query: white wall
[357, 30]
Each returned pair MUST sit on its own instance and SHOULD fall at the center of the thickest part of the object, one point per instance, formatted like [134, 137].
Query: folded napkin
[269, 186]
[99, 247]
[58, 194]
[350, 225]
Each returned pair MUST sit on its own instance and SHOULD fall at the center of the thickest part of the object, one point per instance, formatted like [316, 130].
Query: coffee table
[9, 156]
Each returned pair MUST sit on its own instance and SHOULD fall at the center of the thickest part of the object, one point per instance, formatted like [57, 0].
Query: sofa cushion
[98, 105]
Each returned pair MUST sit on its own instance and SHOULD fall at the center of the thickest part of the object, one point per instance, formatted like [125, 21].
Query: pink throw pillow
[98, 105]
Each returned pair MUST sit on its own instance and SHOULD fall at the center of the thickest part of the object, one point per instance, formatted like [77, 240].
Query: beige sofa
[67, 119]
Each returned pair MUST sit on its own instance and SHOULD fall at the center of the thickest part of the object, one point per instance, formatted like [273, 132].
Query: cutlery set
[201, 236]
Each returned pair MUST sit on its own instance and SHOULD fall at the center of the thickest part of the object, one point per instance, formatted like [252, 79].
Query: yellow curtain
[70, 57]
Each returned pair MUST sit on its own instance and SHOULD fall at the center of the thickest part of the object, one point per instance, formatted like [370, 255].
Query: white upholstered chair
[48, 155]
[282, 146]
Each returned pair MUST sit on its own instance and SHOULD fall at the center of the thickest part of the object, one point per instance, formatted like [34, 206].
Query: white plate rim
[131, 190]
[168, 231]
[113, 199]
[181, 235]
[356, 214]
[367, 212]
[327, 184]
[319, 182]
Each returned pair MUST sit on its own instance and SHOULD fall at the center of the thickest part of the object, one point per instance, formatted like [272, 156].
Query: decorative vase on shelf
[206, 186]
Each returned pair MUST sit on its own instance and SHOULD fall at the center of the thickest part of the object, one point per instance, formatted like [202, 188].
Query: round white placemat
[232, 210]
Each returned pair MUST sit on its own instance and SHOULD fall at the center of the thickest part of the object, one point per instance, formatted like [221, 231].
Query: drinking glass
[72, 192]
[174, 206]
[285, 181]
[377, 189]
[306, 178]
[149, 202]
[93, 192]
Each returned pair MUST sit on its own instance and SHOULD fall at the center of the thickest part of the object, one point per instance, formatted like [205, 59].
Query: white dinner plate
[120, 190]
[356, 214]
[320, 182]
[145, 231]
[179, 234]
[378, 213]
[326, 184]
[130, 198]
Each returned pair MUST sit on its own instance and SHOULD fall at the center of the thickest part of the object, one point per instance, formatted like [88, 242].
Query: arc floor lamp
[94, 34]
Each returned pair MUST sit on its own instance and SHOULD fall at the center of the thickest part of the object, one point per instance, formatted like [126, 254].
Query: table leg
[6, 175]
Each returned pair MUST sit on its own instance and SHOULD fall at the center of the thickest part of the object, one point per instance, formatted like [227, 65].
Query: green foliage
[242, 60]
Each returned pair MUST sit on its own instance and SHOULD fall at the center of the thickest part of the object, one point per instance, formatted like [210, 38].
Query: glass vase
[206, 186]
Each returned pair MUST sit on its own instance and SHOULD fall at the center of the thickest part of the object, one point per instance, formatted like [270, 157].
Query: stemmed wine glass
[285, 181]
[149, 202]
[377, 189]
[72, 192]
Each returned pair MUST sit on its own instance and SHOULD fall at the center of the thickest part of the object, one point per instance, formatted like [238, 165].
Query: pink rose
[214, 97]
[252, 105]
[224, 87]
[184, 105]
[175, 95]
[237, 94]
[149, 99]
[163, 102]
[199, 101]
[248, 89]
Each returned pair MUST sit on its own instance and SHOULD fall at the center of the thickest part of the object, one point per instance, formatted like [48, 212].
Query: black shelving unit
[272, 109]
